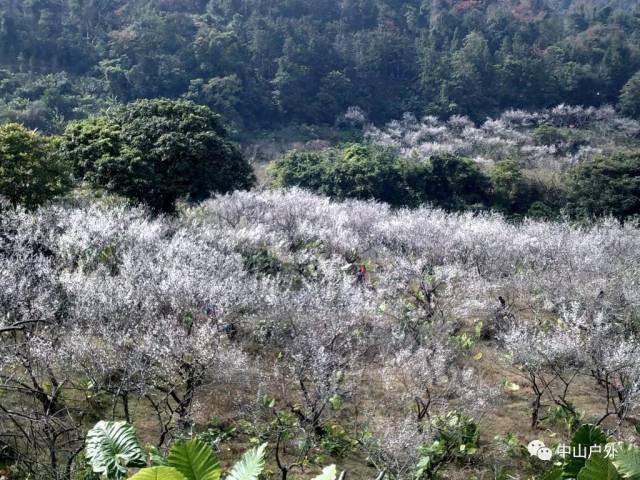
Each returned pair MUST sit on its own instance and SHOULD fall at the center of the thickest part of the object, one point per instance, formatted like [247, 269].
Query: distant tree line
[159, 152]
[603, 186]
[265, 63]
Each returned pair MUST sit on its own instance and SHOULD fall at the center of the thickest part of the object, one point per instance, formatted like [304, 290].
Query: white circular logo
[545, 454]
[538, 449]
[534, 446]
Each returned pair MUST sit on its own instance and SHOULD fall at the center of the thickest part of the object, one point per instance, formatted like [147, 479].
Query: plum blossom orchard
[108, 312]
[548, 139]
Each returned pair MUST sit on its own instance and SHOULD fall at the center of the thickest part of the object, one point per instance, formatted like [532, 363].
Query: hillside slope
[268, 63]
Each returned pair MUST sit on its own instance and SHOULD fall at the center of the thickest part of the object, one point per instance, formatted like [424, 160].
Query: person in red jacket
[362, 271]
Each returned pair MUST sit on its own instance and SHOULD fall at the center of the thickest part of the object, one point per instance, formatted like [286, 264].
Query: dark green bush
[508, 187]
[30, 171]
[456, 183]
[607, 186]
[548, 135]
[355, 171]
[261, 261]
[371, 172]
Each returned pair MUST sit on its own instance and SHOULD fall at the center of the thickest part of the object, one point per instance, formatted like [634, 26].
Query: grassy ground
[511, 415]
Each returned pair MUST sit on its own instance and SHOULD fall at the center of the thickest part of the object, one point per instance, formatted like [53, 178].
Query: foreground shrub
[112, 448]
[457, 437]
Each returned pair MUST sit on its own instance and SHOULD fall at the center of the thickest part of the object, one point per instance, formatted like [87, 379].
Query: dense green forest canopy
[264, 63]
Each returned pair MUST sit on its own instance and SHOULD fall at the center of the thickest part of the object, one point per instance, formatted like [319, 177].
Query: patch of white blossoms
[167, 311]
[589, 132]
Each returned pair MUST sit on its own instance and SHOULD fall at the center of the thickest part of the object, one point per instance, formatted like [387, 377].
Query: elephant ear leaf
[156, 459]
[250, 465]
[598, 467]
[111, 447]
[626, 459]
[195, 460]
[158, 473]
[328, 473]
[583, 439]
[553, 474]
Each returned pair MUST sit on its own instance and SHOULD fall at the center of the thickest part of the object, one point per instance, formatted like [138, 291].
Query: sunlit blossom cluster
[584, 134]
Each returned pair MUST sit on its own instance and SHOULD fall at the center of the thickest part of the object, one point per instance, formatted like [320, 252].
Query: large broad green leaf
[328, 473]
[585, 437]
[250, 465]
[554, 474]
[626, 458]
[111, 447]
[156, 459]
[195, 460]
[158, 473]
[598, 467]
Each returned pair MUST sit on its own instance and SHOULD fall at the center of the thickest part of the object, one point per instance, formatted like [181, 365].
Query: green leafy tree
[456, 183]
[472, 75]
[629, 103]
[220, 93]
[371, 172]
[548, 135]
[299, 168]
[301, 61]
[365, 172]
[156, 151]
[509, 190]
[355, 171]
[607, 186]
[30, 170]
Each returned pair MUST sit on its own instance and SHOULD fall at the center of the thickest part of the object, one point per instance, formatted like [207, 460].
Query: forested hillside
[266, 63]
